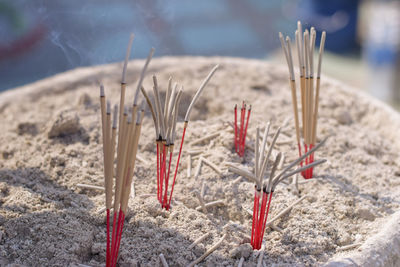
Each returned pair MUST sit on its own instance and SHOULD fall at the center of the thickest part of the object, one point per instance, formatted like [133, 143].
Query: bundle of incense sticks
[129, 127]
[165, 119]
[265, 186]
[305, 43]
[241, 131]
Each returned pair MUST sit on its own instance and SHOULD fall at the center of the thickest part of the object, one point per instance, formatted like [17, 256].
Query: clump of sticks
[127, 134]
[305, 43]
[241, 128]
[165, 119]
[265, 184]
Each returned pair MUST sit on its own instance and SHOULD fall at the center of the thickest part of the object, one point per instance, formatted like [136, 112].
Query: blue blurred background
[41, 38]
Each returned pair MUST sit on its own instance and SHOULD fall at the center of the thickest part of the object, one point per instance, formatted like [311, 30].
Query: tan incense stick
[121, 159]
[288, 55]
[127, 189]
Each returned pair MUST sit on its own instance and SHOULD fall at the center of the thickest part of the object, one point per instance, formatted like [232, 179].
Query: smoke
[69, 46]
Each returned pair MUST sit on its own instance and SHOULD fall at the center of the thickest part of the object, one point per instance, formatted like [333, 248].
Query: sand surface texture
[50, 141]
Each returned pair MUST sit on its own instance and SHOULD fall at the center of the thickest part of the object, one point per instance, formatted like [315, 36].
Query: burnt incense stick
[288, 55]
[106, 165]
[124, 128]
[265, 186]
[305, 44]
[165, 119]
[321, 52]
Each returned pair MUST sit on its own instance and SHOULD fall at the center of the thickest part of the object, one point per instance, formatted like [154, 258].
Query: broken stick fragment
[208, 252]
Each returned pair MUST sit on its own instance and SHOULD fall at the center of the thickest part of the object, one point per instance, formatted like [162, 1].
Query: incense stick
[205, 138]
[198, 240]
[163, 261]
[199, 91]
[208, 252]
[128, 136]
[321, 52]
[212, 204]
[201, 200]
[89, 186]
[213, 166]
[165, 119]
[309, 92]
[264, 190]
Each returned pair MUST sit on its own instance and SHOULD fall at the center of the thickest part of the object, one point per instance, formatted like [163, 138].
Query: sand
[51, 141]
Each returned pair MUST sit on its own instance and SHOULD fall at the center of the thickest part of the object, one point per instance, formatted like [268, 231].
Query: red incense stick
[165, 123]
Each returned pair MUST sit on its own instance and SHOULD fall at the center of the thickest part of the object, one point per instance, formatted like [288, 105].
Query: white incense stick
[284, 211]
[167, 95]
[153, 114]
[176, 110]
[243, 173]
[264, 142]
[311, 165]
[160, 115]
[199, 91]
[291, 72]
[128, 54]
[142, 74]
[321, 52]
[312, 47]
[297, 161]
[212, 204]
[205, 138]
[198, 168]
[213, 166]
[290, 58]
[301, 52]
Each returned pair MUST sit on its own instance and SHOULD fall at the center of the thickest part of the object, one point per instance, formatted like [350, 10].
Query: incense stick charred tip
[108, 107]
[115, 116]
[102, 94]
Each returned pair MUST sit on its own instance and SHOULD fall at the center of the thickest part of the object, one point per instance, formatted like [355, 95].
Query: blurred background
[41, 38]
